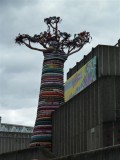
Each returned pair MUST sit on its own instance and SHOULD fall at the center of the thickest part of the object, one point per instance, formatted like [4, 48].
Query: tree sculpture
[56, 47]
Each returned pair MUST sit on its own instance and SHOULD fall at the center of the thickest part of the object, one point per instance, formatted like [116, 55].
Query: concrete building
[14, 137]
[90, 119]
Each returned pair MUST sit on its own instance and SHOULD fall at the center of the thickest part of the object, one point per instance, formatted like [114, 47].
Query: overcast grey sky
[20, 67]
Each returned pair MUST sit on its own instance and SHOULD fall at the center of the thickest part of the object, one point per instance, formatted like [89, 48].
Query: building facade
[91, 118]
[14, 137]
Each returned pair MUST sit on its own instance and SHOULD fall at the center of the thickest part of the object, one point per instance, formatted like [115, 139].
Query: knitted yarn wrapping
[50, 98]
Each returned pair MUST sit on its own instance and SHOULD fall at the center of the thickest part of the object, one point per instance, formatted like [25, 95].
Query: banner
[81, 79]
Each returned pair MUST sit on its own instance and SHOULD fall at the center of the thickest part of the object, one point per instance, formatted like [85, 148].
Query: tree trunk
[50, 98]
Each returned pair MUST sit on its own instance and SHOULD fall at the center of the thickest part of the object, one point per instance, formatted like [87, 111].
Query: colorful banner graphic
[81, 79]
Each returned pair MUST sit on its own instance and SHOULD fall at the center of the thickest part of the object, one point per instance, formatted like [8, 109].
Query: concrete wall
[28, 154]
[109, 153]
[108, 61]
[71, 122]
[11, 141]
[79, 125]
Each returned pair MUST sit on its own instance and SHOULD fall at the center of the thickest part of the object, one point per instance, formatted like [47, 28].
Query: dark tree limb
[70, 53]
[37, 49]
[54, 40]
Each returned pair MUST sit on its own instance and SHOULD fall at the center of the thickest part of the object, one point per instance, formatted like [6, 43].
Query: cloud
[21, 68]
[22, 116]
[20, 79]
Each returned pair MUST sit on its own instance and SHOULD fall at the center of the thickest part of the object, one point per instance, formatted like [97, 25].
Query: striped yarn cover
[50, 98]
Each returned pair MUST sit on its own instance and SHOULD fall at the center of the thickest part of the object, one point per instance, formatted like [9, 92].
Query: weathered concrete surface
[28, 154]
[108, 153]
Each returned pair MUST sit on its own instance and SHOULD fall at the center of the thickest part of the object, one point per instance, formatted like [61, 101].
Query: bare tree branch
[69, 50]
[37, 49]
[74, 51]
[54, 40]
[52, 26]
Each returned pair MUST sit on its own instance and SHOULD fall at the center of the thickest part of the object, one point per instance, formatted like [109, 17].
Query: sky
[21, 68]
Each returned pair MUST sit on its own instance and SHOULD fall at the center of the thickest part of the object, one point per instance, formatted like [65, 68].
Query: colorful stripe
[50, 98]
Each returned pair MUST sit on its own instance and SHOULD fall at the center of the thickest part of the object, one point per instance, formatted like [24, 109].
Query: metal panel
[10, 141]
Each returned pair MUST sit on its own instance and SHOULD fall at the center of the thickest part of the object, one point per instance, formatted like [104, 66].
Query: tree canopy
[54, 40]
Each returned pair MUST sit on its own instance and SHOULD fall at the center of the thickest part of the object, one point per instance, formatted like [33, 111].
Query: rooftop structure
[5, 127]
